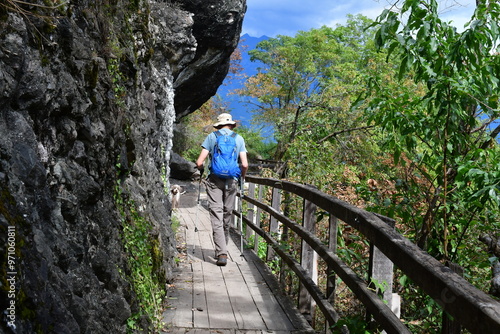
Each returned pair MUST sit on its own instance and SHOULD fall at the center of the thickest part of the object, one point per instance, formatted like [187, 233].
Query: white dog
[176, 195]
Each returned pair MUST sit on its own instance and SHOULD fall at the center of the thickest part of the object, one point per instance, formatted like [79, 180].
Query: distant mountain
[250, 43]
[236, 106]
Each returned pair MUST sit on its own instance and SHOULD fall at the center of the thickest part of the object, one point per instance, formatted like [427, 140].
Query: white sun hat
[224, 119]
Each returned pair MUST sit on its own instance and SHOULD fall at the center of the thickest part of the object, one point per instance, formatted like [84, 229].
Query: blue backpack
[225, 158]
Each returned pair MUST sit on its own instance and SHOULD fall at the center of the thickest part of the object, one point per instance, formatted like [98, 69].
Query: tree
[304, 90]
[443, 134]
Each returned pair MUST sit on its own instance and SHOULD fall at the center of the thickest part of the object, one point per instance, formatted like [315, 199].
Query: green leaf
[403, 68]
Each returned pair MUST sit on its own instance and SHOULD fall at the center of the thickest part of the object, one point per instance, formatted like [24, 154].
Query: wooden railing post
[309, 261]
[251, 215]
[257, 219]
[381, 273]
[451, 326]
[273, 223]
[330, 282]
[236, 218]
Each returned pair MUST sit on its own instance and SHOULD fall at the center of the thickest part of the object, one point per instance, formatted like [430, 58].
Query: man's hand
[200, 162]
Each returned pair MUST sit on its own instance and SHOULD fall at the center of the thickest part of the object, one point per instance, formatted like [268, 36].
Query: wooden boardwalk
[237, 298]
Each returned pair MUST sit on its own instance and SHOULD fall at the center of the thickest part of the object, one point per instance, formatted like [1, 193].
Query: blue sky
[287, 17]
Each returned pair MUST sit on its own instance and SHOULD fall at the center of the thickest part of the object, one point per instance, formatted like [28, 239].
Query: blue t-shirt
[210, 140]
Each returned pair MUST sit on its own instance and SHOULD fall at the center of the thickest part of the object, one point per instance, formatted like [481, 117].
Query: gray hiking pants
[221, 196]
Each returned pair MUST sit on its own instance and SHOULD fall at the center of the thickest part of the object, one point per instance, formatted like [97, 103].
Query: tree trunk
[493, 243]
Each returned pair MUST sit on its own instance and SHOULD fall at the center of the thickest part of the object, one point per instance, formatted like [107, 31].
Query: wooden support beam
[309, 261]
[332, 246]
[331, 285]
[273, 222]
[251, 211]
[258, 218]
[381, 273]
[452, 326]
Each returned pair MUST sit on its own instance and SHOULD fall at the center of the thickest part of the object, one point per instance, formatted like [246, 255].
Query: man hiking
[224, 148]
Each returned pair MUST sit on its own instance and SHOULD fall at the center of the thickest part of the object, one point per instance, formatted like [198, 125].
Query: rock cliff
[89, 94]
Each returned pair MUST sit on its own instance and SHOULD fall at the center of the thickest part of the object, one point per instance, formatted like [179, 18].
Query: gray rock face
[181, 169]
[214, 24]
[88, 96]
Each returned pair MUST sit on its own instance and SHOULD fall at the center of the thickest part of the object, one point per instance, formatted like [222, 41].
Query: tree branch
[493, 134]
[344, 131]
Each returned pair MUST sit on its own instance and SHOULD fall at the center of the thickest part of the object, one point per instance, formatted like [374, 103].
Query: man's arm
[244, 163]
[201, 159]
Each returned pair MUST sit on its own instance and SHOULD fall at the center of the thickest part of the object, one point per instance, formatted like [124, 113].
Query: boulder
[181, 169]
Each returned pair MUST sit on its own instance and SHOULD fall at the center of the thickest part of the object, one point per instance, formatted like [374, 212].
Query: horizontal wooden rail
[382, 314]
[473, 308]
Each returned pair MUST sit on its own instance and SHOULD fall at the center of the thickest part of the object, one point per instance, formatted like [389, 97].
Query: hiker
[222, 145]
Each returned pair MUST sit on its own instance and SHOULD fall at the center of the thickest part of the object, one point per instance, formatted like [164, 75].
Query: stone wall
[89, 93]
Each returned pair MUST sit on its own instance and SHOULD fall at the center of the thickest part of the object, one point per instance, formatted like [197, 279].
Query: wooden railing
[470, 307]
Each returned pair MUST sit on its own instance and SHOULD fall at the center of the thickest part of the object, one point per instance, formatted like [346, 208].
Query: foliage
[143, 257]
[354, 325]
[117, 80]
[28, 9]
[441, 134]
[256, 145]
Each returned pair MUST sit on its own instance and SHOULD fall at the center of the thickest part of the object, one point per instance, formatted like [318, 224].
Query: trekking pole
[241, 216]
[197, 211]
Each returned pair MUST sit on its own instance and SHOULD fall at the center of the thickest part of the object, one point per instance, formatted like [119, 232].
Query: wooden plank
[177, 330]
[187, 221]
[200, 307]
[328, 311]
[202, 239]
[292, 314]
[277, 310]
[234, 253]
[381, 272]
[269, 307]
[220, 312]
[242, 297]
[244, 308]
[451, 326]
[207, 245]
[179, 298]
[232, 299]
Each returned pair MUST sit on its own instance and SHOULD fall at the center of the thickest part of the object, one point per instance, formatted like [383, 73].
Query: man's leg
[215, 193]
[229, 199]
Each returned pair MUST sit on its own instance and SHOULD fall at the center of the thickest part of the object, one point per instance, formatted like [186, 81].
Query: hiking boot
[222, 260]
